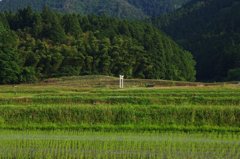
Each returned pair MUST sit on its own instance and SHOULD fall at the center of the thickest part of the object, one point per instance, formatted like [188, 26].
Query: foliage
[52, 44]
[136, 9]
[9, 61]
[210, 30]
[234, 74]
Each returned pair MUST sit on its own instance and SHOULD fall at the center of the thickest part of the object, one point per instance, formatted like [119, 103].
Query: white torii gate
[121, 77]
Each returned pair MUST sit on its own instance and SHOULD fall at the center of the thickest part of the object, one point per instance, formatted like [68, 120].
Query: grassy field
[89, 117]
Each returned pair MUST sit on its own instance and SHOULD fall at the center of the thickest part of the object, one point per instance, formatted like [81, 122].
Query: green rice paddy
[92, 118]
[75, 144]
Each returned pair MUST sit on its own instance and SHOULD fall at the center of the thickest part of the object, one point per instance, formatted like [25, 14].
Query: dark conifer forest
[210, 29]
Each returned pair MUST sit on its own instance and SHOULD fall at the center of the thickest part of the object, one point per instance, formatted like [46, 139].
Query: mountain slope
[210, 29]
[155, 8]
[136, 9]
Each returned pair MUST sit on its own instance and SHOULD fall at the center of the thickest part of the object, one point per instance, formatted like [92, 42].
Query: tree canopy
[9, 61]
[48, 44]
[127, 9]
[210, 30]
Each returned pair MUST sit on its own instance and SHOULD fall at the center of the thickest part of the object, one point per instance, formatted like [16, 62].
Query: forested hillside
[134, 9]
[154, 8]
[36, 45]
[210, 29]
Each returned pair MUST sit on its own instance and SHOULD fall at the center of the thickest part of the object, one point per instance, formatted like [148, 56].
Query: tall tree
[9, 61]
[71, 25]
[52, 28]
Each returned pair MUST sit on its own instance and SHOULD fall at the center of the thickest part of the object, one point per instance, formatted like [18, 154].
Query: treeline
[127, 9]
[210, 30]
[37, 45]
